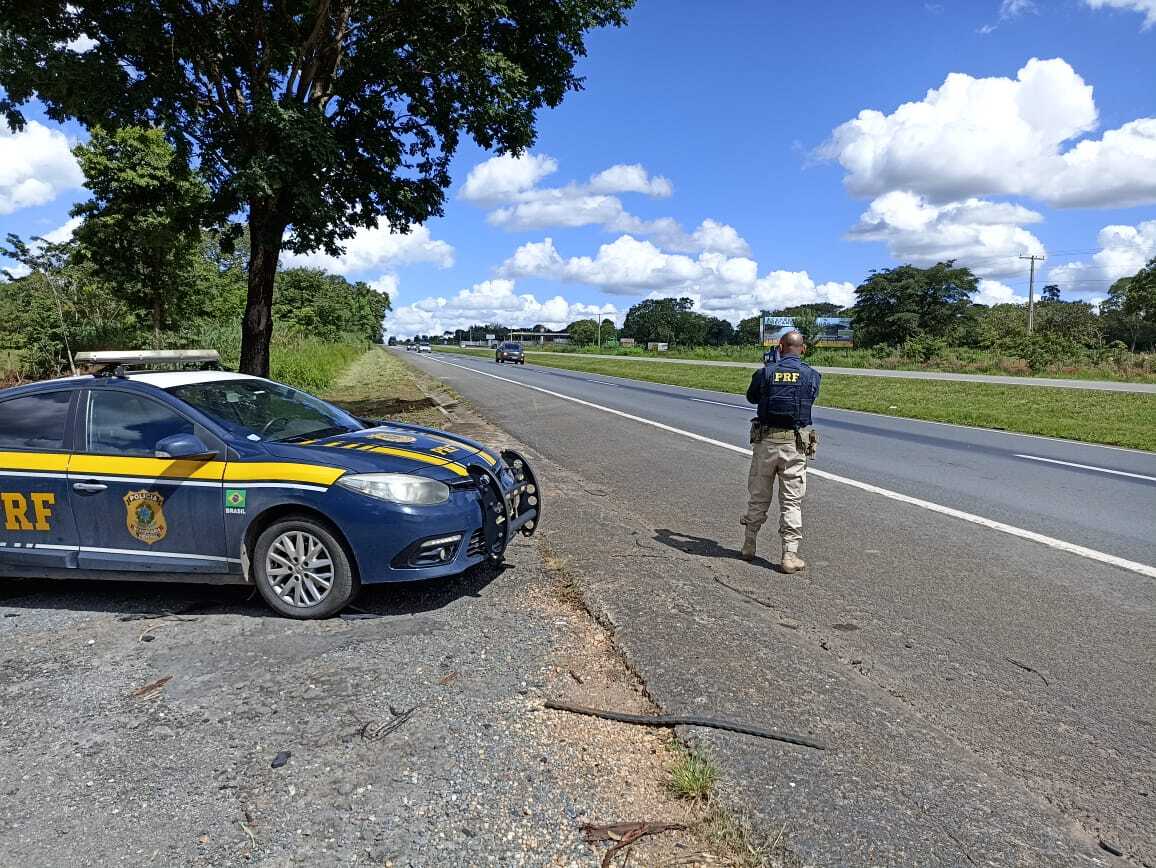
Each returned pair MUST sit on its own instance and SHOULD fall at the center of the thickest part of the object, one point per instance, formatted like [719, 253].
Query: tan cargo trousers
[777, 456]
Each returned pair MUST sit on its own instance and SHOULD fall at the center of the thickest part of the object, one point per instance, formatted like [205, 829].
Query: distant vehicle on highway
[209, 476]
[510, 351]
[424, 348]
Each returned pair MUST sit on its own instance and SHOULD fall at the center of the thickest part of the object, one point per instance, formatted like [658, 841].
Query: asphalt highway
[974, 630]
[1098, 497]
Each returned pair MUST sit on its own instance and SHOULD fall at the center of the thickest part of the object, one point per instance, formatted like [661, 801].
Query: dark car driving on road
[509, 351]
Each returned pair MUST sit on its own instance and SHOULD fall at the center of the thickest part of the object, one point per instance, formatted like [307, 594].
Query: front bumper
[484, 514]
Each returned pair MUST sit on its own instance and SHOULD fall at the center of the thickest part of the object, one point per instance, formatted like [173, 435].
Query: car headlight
[398, 488]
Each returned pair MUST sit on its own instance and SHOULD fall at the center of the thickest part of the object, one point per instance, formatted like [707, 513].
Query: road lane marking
[722, 404]
[1087, 467]
[991, 524]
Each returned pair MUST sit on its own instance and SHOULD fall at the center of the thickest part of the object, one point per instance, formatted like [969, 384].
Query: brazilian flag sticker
[235, 501]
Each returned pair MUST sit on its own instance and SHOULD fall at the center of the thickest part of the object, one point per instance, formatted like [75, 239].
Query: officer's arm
[755, 389]
[815, 378]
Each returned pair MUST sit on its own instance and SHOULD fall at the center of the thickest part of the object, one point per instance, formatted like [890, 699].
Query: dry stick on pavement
[671, 721]
[377, 730]
[624, 834]
[1027, 668]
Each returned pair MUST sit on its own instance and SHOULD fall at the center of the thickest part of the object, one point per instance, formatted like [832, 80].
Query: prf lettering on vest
[786, 376]
[16, 507]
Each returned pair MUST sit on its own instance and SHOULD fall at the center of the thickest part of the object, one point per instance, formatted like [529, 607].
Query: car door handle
[88, 487]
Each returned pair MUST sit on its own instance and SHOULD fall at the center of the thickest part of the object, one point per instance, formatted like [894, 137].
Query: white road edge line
[1087, 467]
[991, 524]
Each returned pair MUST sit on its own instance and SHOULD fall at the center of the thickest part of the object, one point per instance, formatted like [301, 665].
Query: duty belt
[761, 432]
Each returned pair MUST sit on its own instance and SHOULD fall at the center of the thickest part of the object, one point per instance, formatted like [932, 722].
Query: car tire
[299, 594]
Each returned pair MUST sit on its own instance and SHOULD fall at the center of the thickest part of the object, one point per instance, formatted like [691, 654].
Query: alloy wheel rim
[300, 569]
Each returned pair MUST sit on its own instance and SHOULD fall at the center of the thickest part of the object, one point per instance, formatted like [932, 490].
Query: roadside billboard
[835, 331]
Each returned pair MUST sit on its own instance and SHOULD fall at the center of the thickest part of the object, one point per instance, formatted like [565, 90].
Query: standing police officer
[782, 440]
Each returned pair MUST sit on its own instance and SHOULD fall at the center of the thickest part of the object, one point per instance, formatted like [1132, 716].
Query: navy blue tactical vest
[786, 391]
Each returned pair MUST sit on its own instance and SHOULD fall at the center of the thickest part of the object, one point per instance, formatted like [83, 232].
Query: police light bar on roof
[114, 358]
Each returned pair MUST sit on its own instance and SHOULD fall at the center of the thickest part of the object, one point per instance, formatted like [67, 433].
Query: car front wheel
[302, 569]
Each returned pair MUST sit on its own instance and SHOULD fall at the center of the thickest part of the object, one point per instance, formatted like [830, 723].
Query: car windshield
[258, 409]
[512, 346]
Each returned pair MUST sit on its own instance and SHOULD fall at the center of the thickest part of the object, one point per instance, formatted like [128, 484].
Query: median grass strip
[1112, 418]
[1108, 364]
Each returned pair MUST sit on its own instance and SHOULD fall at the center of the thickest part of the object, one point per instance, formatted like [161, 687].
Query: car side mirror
[186, 446]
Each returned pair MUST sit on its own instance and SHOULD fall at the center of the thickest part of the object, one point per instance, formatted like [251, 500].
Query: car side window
[123, 424]
[34, 421]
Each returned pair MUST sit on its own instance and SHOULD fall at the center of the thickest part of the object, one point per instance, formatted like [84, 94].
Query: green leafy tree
[719, 332]
[311, 303]
[658, 319]
[609, 331]
[1051, 292]
[1130, 308]
[317, 118]
[1073, 323]
[748, 330]
[583, 331]
[691, 329]
[141, 228]
[58, 307]
[807, 324]
[898, 304]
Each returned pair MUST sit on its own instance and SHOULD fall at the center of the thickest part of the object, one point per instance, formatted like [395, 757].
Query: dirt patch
[383, 408]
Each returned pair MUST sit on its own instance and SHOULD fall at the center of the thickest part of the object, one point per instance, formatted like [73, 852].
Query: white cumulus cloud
[630, 179]
[64, 232]
[489, 301]
[725, 286]
[36, 165]
[991, 292]
[1147, 8]
[502, 178]
[376, 248]
[1000, 136]
[986, 236]
[1124, 250]
[509, 186]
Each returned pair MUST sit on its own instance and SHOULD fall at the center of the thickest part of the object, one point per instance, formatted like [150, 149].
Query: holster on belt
[807, 441]
[758, 431]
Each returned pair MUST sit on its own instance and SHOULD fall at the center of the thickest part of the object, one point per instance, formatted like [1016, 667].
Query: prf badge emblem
[390, 437]
[145, 516]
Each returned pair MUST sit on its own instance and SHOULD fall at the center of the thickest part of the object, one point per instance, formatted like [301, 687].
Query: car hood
[393, 448]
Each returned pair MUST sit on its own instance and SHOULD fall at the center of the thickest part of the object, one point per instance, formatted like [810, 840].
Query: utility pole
[1032, 291]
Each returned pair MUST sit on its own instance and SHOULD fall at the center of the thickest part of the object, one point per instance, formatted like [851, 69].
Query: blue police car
[206, 475]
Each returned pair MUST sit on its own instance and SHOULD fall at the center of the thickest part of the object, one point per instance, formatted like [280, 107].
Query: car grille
[477, 544]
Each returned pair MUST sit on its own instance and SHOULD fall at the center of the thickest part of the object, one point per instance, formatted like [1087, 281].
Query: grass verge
[378, 385]
[1113, 418]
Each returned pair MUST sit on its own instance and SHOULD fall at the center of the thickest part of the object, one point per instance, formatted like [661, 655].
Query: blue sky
[743, 114]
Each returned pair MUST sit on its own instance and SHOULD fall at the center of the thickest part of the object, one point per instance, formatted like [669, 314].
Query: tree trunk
[266, 230]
